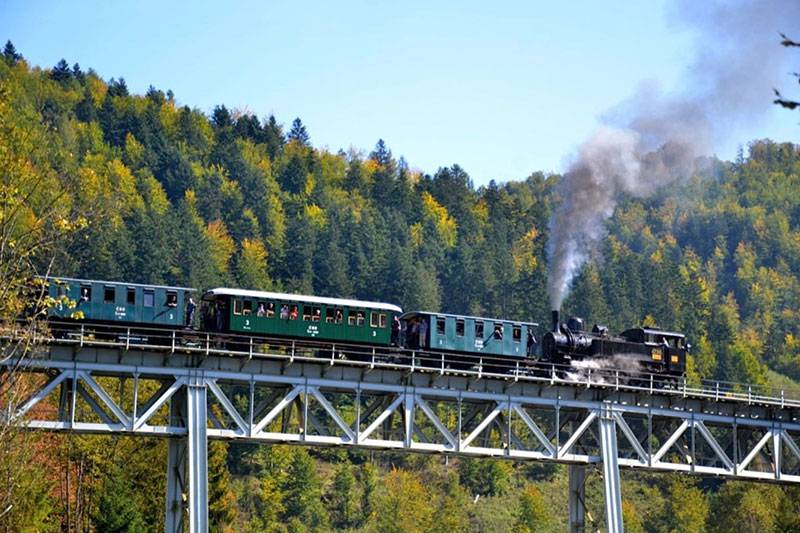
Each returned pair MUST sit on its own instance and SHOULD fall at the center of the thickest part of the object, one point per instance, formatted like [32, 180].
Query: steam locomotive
[648, 350]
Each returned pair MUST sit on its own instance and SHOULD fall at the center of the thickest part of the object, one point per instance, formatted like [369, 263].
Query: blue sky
[501, 88]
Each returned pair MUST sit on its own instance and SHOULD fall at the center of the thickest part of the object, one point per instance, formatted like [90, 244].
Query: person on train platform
[423, 333]
[220, 316]
[191, 307]
[412, 334]
[531, 342]
[396, 327]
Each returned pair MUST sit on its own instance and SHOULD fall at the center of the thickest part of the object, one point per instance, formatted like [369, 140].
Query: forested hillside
[156, 191]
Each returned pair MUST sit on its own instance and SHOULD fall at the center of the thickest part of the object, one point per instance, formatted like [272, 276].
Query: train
[435, 339]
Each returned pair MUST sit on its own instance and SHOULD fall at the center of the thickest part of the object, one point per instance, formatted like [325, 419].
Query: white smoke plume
[653, 138]
[605, 370]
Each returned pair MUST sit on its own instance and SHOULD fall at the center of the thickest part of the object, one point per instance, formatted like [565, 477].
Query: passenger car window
[516, 334]
[439, 325]
[86, 293]
[329, 315]
[149, 298]
[383, 320]
[131, 298]
[498, 331]
[109, 295]
[351, 318]
[247, 307]
[172, 299]
[478, 329]
[460, 327]
[374, 320]
[237, 307]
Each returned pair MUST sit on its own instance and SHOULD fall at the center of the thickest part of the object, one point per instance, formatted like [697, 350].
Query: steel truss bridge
[200, 387]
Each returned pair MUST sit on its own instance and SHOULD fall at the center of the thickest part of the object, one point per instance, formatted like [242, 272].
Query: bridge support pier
[176, 485]
[577, 498]
[613, 490]
[187, 462]
[197, 454]
[176, 468]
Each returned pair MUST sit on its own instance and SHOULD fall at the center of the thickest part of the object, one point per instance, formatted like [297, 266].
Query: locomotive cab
[667, 348]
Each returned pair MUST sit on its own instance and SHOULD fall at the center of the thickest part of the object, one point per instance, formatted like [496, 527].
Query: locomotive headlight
[674, 359]
[656, 354]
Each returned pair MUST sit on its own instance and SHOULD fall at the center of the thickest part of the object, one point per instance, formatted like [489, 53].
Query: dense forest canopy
[167, 194]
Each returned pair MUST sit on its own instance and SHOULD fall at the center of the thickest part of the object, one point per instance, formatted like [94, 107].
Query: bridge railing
[589, 374]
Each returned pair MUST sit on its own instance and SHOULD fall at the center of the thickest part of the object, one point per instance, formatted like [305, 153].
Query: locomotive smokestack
[555, 319]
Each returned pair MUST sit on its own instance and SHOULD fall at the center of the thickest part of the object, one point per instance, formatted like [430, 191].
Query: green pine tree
[116, 511]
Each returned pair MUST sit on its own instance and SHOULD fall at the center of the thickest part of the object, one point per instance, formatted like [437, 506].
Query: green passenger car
[129, 303]
[275, 314]
[468, 334]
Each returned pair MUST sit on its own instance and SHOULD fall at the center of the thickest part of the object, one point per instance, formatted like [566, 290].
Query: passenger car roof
[264, 295]
[487, 319]
[125, 283]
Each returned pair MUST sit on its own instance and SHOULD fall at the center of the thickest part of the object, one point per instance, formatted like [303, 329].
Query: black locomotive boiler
[647, 350]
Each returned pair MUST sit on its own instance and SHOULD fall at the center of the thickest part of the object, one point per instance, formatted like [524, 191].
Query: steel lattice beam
[480, 423]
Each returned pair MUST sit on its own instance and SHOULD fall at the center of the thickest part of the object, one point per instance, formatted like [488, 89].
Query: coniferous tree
[342, 502]
[368, 476]
[384, 178]
[77, 73]
[221, 501]
[298, 133]
[61, 72]
[221, 117]
[273, 137]
[303, 492]
[295, 175]
[117, 88]
[195, 259]
[116, 510]
[10, 54]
